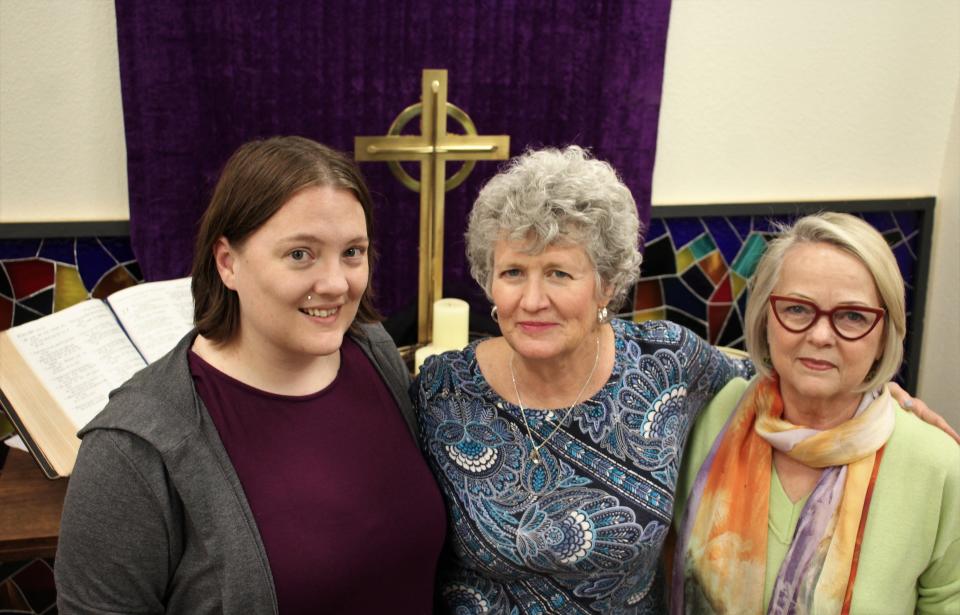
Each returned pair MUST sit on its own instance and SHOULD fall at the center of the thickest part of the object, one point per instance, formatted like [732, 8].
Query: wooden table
[30, 507]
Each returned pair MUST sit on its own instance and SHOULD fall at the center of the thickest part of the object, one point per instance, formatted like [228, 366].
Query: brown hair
[258, 179]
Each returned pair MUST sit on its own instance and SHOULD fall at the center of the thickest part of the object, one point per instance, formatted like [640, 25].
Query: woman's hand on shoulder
[922, 411]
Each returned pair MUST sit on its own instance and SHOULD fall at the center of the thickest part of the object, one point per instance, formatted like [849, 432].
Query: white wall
[62, 151]
[763, 101]
[819, 99]
[823, 99]
[941, 339]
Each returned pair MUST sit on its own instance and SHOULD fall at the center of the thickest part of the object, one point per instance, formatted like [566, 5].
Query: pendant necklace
[535, 454]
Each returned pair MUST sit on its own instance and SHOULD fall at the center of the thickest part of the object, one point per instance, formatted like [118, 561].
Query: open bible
[57, 371]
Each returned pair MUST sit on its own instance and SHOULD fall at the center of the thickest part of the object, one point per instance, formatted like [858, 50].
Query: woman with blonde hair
[810, 489]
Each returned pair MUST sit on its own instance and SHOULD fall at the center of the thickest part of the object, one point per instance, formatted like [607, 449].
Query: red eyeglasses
[851, 322]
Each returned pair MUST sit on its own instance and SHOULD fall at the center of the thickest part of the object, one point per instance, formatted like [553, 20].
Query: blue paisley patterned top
[581, 532]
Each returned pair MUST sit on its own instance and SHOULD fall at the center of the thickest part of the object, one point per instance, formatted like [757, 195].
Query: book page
[80, 354]
[155, 315]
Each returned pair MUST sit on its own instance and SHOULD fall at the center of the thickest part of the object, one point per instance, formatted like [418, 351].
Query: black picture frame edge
[49, 230]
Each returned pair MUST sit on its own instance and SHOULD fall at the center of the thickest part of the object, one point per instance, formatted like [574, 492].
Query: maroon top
[349, 513]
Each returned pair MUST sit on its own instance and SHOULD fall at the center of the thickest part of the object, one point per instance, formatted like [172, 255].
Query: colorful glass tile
[678, 295]
[738, 283]
[742, 304]
[69, 288]
[93, 261]
[914, 241]
[28, 588]
[5, 289]
[907, 221]
[657, 314]
[29, 276]
[659, 259]
[647, 295]
[41, 302]
[698, 282]
[726, 238]
[685, 259]
[893, 237]
[684, 230]
[702, 246]
[714, 267]
[117, 279]
[60, 250]
[746, 261]
[743, 225]
[119, 248]
[6, 313]
[18, 248]
[768, 224]
[134, 269]
[697, 326]
[722, 294]
[717, 316]
[656, 230]
[905, 259]
[880, 220]
[732, 334]
[22, 314]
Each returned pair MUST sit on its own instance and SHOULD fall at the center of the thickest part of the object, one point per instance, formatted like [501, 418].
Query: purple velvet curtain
[200, 78]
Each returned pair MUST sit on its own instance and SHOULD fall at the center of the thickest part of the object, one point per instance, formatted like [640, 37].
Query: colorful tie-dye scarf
[721, 550]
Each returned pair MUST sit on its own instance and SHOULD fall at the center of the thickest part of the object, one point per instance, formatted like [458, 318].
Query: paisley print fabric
[582, 531]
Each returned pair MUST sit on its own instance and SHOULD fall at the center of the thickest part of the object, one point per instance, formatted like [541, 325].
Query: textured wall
[769, 101]
[941, 339]
[62, 153]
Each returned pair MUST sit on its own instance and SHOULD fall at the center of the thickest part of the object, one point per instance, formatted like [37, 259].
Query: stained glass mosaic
[41, 276]
[695, 269]
[27, 587]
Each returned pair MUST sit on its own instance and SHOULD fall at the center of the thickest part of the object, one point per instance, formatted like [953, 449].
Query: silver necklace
[535, 455]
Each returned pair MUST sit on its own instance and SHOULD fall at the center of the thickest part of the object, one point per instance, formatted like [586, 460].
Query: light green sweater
[910, 558]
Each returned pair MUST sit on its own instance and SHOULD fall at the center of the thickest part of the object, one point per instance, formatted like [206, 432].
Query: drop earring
[601, 314]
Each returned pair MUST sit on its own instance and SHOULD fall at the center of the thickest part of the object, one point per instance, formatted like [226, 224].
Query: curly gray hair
[550, 196]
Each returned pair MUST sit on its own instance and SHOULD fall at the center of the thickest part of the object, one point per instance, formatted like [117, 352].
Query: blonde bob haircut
[856, 237]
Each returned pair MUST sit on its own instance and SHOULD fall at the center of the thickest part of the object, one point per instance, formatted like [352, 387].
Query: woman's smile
[535, 326]
[817, 365]
[322, 313]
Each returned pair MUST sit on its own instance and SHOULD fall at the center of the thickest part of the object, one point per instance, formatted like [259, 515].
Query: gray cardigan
[155, 519]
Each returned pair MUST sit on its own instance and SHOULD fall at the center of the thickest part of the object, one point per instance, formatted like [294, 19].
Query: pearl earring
[601, 314]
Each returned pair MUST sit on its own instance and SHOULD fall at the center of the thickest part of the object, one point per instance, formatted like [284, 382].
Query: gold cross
[432, 148]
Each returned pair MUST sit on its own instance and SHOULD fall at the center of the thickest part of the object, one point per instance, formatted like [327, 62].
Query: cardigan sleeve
[938, 590]
[113, 554]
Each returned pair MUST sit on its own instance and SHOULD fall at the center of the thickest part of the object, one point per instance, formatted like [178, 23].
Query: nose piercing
[309, 298]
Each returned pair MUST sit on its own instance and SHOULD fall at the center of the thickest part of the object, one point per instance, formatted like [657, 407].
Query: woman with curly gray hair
[558, 443]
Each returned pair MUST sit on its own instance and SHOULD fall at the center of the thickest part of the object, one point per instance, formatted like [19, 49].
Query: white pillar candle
[421, 355]
[451, 319]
